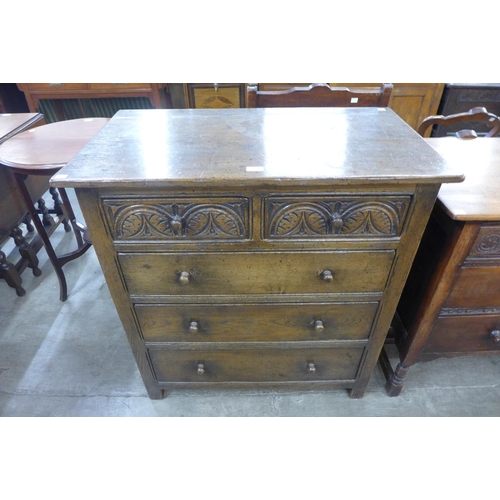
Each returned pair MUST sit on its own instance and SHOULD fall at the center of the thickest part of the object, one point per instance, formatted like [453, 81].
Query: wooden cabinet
[414, 102]
[461, 97]
[411, 101]
[156, 93]
[242, 249]
[215, 95]
[451, 303]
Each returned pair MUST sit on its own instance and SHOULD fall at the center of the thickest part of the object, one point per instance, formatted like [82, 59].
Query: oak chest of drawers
[450, 305]
[254, 247]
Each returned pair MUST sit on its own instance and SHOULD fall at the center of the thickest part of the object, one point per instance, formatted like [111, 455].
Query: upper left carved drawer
[178, 219]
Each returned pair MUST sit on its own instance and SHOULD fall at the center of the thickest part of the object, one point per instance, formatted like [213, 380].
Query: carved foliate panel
[179, 219]
[335, 217]
[487, 244]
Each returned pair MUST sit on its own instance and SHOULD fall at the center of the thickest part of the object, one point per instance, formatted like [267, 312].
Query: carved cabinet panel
[335, 217]
[486, 244]
[178, 219]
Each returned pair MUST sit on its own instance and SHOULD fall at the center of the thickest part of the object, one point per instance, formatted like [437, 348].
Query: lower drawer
[245, 365]
[464, 334]
[242, 273]
[250, 322]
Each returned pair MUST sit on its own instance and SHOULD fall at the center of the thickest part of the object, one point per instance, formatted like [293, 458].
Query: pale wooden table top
[49, 146]
[477, 198]
[255, 148]
[11, 123]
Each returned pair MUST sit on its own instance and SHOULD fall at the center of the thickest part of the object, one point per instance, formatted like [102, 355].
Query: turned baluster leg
[58, 208]
[26, 250]
[27, 222]
[395, 382]
[11, 275]
[47, 220]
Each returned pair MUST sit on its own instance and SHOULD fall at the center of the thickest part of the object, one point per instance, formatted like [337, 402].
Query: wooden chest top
[477, 197]
[255, 147]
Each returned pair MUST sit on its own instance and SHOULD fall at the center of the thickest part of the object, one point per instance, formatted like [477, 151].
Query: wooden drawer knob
[327, 276]
[194, 327]
[319, 327]
[495, 336]
[201, 369]
[311, 368]
[184, 277]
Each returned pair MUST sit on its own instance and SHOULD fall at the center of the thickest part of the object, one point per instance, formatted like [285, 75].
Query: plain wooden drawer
[464, 334]
[259, 323]
[245, 365]
[56, 87]
[237, 273]
[475, 287]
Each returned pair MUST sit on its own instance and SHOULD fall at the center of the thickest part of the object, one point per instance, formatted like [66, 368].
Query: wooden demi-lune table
[256, 247]
[13, 211]
[30, 158]
[14, 123]
[450, 305]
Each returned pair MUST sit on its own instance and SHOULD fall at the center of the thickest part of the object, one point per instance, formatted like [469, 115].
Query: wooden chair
[474, 115]
[319, 95]
[42, 152]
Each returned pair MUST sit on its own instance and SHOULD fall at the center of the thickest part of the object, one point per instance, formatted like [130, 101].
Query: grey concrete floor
[73, 359]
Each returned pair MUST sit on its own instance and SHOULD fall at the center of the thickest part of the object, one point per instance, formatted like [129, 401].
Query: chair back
[479, 114]
[319, 95]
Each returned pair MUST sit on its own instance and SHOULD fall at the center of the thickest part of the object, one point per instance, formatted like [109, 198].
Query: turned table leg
[26, 250]
[11, 275]
[394, 384]
[58, 208]
[394, 378]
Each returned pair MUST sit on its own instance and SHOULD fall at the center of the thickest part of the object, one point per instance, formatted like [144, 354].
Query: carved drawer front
[256, 273]
[465, 333]
[246, 365]
[476, 287]
[487, 244]
[335, 217]
[179, 219]
[264, 322]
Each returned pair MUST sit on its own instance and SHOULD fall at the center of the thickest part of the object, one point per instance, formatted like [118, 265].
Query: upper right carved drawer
[334, 216]
[487, 244]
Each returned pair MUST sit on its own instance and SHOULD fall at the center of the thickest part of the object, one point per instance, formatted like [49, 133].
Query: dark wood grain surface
[255, 146]
[238, 243]
[477, 197]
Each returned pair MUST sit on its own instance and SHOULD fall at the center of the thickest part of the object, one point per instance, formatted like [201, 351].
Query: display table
[256, 247]
[451, 303]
